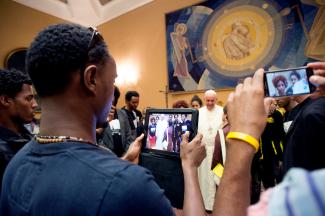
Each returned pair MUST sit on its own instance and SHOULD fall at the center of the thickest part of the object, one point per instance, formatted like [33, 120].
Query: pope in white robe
[210, 120]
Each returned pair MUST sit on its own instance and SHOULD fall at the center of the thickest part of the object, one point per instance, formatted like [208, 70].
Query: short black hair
[12, 81]
[196, 98]
[131, 94]
[295, 73]
[57, 52]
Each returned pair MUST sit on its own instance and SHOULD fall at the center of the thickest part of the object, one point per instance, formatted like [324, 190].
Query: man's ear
[5, 100]
[89, 78]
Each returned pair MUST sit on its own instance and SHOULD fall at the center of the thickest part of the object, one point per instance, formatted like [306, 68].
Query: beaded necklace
[56, 139]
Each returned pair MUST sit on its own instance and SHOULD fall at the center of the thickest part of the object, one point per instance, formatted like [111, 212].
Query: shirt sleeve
[300, 193]
[134, 192]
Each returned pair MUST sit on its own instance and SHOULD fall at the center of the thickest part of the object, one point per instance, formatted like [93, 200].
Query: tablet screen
[164, 130]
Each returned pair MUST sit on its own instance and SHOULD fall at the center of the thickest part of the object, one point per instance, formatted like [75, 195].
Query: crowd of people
[86, 162]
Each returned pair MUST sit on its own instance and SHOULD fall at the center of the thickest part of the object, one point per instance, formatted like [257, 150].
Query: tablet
[164, 129]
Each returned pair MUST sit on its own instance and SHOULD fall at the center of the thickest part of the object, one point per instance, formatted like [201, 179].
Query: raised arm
[247, 115]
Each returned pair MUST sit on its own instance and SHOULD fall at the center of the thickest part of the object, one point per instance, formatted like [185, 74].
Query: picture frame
[16, 59]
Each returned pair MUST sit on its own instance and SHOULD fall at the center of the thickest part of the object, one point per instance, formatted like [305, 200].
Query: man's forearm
[193, 201]
[233, 195]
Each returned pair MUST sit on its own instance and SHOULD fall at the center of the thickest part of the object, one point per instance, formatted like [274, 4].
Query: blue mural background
[198, 18]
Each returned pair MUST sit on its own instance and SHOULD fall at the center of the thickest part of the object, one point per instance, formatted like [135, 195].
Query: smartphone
[288, 82]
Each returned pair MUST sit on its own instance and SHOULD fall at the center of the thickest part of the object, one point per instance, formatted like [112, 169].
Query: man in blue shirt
[63, 171]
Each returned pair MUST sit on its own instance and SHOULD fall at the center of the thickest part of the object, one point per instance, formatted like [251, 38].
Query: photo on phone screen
[288, 82]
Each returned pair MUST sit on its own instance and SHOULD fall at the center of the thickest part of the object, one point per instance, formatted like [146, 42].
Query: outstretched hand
[192, 153]
[133, 152]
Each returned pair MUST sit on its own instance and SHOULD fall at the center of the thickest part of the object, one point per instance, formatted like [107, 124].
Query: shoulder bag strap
[223, 145]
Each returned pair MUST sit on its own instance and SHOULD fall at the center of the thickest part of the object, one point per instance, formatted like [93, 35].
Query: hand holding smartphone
[288, 82]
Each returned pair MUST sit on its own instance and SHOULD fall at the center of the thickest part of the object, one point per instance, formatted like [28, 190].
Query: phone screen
[288, 82]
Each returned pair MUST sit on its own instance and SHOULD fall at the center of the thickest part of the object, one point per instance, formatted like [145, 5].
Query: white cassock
[160, 131]
[209, 123]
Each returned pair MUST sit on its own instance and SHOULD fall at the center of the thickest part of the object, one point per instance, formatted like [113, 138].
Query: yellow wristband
[244, 137]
